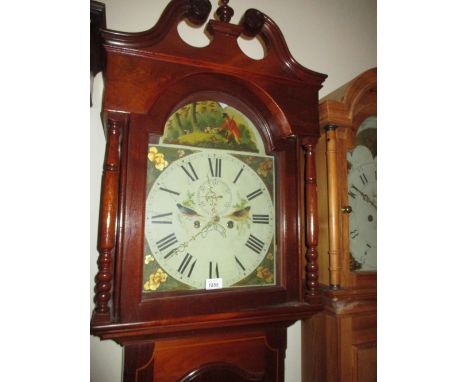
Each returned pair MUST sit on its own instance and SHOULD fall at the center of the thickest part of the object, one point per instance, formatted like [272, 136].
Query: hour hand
[187, 211]
[365, 196]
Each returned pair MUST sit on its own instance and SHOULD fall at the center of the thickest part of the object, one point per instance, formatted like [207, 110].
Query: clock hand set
[212, 225]
[181, 248]
[364, 196]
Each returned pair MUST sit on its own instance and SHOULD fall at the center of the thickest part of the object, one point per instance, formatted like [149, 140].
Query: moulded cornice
[162, 42]
[343, 106]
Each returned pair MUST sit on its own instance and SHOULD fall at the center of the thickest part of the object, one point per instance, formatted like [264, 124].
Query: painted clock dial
[362, 197]
[210, 214]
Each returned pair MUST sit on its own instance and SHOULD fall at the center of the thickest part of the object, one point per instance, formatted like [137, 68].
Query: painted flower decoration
[155, 280]
[249, 160]
[264, 273]
[180, 153]
[157, 158]
[270, 256]
[149, 259]
[265, 167]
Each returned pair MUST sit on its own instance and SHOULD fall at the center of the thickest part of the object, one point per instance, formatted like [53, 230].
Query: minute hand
[364, 196]
[182, 247]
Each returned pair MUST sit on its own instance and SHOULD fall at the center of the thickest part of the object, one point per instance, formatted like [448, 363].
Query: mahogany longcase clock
[347, 176]
[208, 221]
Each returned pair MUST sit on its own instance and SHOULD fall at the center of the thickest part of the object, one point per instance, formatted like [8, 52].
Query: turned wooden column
[107, 220]
[311, 220]
[333, 209]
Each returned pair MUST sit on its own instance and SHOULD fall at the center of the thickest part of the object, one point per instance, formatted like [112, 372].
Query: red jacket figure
[231, 127]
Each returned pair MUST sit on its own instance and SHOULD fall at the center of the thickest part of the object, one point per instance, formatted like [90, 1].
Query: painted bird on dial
[239, 215]
[187, 211]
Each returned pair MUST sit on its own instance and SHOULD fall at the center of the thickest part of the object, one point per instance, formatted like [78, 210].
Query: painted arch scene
[214, 125]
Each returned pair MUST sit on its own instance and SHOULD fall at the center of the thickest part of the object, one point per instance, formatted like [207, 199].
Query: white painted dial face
[362, 197]
[209, 215]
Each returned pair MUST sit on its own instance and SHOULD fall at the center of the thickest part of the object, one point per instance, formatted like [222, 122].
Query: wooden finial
[225, 12]
[199, 11]
[252, 21]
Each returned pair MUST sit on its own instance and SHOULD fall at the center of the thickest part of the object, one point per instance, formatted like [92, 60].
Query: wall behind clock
[335, 37]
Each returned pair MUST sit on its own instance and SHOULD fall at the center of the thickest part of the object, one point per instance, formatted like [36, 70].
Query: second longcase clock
[346, 332]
